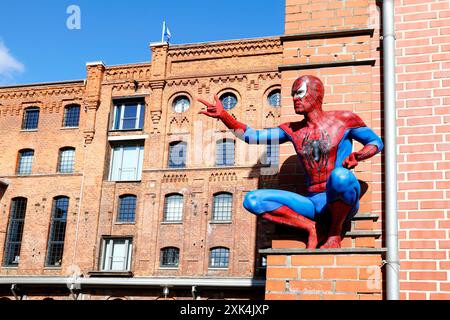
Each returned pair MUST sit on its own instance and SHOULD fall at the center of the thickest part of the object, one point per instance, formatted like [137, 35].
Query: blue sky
[37, 46]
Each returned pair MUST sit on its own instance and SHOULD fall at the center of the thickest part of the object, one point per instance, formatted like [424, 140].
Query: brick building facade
[339, 41]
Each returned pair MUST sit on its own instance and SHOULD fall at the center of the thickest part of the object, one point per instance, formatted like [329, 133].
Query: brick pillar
[333, 274]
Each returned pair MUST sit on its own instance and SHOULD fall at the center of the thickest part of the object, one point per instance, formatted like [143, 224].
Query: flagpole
[163, 29]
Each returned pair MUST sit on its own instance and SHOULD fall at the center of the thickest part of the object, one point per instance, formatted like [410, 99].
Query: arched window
[222, 206]
[274, 98]
[127, 208]
[173, 207]
[225, 152]
[15, 231]
[170, 257]
[71, 116]
[66, 160]
[177, 154]
[25, 163]
[30, 118]
[57, 231]
[219, 257]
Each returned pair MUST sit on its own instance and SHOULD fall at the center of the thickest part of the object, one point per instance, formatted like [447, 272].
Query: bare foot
[332, 243]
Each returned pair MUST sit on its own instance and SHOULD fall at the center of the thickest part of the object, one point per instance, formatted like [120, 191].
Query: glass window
[225, 152]
[129, 115]
[25, 162]
[127, 208]
[177, 154]
[170, 257]
[15, 232]
[274, 98]
[71, 116]
[66, 160]
[272, 155]
[173, 208]
[126, 163]
[219, 258]
[30, 118]
[57, 232]
[181, 104]
[229, 100]
[222, 207]
[116, 254]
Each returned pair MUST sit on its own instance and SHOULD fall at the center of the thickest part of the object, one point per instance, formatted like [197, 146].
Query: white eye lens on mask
[301, 92]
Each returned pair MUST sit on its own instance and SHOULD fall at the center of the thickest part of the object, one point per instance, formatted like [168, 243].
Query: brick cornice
[44, 90]
[226, 48]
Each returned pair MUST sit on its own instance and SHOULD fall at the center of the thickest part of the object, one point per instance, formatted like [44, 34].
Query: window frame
[225, 95]
[66, 108]
[169, 162]
[21, 224]
[60, 158]
[25, 118]
[19, 170]
[126, 221]
[273, 92]
[172, 266]
[181, 215]
[224, 142]
[119, 119]
[214, 216]
[178, 98]
[272, 155]
[218, 266]
[139, 165]
[53, 229]
[106, 241]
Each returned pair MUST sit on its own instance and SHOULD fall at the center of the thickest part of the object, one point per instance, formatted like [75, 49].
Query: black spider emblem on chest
[316, 152]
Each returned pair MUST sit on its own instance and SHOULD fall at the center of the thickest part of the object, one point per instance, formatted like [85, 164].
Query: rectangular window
[177, 154]
[126, 163]
[116, 254]
[66, 160]
[173, 208]
[30, 119]
[25, 162]
[57, 232]
[71, 116]
[222, 207]
[129, 115]
[225, 153]
[272, 156]
[219, 258]
[15, 232]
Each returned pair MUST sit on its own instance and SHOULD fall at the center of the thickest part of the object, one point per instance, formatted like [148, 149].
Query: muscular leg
[286, 208]
[343, 193]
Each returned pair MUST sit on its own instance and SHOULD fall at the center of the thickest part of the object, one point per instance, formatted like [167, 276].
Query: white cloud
[8, 65]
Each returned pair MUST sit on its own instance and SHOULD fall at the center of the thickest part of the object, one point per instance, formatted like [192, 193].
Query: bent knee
[341, 179]
[251, 201]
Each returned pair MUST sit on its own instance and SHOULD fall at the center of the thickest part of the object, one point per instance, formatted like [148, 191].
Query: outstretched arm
[240, 130]
[372, 145]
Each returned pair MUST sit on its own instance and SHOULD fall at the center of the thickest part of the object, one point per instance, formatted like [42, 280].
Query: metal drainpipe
[390, 136]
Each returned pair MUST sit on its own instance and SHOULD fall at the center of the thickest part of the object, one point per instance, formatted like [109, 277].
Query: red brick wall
[423, 80]
[423, 100]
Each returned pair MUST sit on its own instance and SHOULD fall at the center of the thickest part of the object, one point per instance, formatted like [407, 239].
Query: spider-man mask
[307, 94]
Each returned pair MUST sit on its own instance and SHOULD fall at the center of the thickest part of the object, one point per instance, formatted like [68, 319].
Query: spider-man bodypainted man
[323, 142]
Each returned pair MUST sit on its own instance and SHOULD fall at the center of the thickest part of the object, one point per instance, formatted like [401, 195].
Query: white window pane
[129, 163]
[116, 163]
[126, 163]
